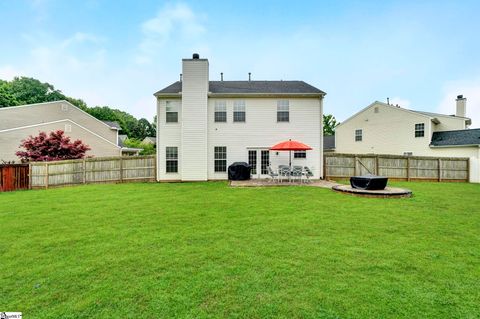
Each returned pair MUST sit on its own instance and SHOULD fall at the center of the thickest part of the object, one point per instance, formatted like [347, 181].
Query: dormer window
[420, 130]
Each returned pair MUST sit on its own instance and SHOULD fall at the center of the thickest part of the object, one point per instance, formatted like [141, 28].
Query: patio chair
[272, 174]
[297, 173]
[308, 173]
[283, 172]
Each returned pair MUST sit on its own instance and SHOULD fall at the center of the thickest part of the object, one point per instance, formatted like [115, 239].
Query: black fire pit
[369, 182]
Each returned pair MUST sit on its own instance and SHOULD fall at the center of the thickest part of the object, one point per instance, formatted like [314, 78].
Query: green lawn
[204, 250]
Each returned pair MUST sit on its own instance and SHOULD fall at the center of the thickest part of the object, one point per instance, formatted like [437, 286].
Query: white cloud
[470, 90]
[173, 20]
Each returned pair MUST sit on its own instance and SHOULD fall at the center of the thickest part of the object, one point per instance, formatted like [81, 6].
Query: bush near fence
[337, 166]
[93, 170]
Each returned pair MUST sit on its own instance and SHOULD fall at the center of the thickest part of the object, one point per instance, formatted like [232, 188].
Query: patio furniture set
[291, 174]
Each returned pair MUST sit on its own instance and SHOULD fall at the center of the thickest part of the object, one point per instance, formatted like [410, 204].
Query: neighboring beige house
[18, 122]
[382, 128]
[150, 140]
[204, 126]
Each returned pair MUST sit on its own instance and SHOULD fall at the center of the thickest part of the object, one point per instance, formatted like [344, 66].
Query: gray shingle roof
[251, 87]
[113, 124]
[329, 142]
[452, 138]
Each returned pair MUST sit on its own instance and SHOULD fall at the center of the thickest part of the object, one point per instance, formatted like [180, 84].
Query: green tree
[329, 124]
[147, 149]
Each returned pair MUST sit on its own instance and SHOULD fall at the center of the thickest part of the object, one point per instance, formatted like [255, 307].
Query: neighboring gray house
[18, 122]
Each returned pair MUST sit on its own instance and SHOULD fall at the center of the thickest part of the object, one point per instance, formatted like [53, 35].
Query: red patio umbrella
[290, 146]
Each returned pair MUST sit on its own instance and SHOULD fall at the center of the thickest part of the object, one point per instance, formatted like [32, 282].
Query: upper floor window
[220, 111]
[358, 135]
[239, 111]
[300, 154]
[283, 114]
[171, 112]
[420, 130]
[220, 157]
[171, 159]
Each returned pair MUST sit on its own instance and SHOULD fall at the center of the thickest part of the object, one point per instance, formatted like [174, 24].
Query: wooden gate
[13, 177]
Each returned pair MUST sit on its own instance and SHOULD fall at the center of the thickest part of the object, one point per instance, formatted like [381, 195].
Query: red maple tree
[53, 147]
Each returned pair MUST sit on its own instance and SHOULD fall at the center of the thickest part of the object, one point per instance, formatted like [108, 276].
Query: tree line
[25, 90]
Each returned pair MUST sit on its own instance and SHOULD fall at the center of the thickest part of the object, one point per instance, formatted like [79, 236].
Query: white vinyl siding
[260, 131]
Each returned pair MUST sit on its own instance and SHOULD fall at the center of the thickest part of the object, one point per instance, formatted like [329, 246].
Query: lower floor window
[220, 156]
[171, 156]
[300, 154]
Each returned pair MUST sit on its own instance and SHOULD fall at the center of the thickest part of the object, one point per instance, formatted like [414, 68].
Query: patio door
[259, 159]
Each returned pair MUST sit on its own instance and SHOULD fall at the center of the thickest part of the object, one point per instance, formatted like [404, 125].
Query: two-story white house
[204, 126]
[382, 128]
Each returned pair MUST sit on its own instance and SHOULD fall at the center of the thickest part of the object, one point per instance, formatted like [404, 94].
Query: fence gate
[13, 177]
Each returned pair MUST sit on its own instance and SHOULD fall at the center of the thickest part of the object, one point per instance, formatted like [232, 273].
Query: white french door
[259, 159]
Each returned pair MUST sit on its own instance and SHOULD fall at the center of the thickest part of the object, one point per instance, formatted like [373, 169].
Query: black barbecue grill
[239, 171]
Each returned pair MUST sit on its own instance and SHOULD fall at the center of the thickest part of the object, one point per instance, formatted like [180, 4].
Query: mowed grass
[204, 250]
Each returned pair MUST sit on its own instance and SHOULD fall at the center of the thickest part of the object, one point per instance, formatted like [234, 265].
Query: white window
[239, 111]
[171, 112]
[300, 154]
[358, 135]
[171, 159]
[283, 114]
[220, 111]
[220, 155]
[68, 128]
[420, 130]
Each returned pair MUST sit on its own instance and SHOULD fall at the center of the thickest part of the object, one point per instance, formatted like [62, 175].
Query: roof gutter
[449, 146]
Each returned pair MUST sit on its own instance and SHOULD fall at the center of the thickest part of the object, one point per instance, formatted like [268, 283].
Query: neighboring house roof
[121, 140]
[456, 138]
[113, 124]
[150, 139]
[328, 142]
[250, 87]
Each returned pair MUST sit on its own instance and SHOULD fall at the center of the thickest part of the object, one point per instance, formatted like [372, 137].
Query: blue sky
[421, 54]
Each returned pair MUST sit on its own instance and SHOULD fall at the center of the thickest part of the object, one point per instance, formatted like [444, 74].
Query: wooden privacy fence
[93, 170]
[397, 167]
[13, 177]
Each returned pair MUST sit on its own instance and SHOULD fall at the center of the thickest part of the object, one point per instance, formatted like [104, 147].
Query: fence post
[408, 169]
[355, 166]
[468, 169]
[84, 166]
[376, 166]
[324, 167]
[30, 176]
[121, 169]
[46, 175]
[439, 170]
